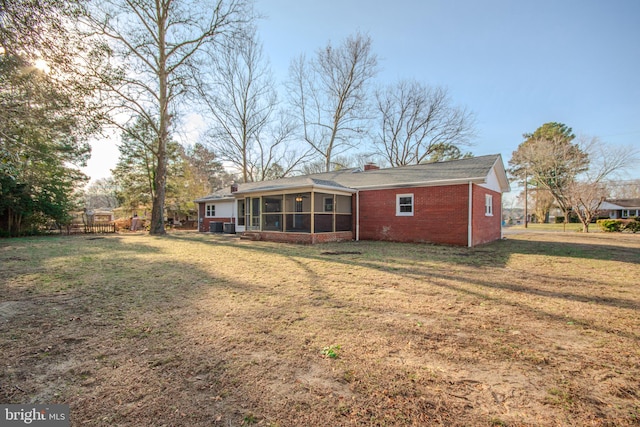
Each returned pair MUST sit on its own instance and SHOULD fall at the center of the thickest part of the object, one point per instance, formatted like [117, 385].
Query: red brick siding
[440, 215]
[204, 224]
[486, 228]
[338, 236]
[306, 238]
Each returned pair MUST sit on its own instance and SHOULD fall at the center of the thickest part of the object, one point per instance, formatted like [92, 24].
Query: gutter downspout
[200, 229]
[470, 226]
[357, 215]
[501, 217]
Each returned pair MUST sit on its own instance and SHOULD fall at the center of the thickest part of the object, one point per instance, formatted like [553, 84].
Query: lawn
[571, 227]
[194, 329]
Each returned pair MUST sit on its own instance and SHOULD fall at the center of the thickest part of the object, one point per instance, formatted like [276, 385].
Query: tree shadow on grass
[100, 327]
[136, 341]
[407, 259]
[624, 248]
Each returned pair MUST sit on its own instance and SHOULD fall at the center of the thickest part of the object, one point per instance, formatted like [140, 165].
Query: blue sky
[516, 64]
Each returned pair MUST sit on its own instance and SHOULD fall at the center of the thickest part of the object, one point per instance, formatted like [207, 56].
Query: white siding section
[224, 209]
[492, 181]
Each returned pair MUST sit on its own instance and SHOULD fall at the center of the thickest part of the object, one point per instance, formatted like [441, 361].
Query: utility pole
[526, 199]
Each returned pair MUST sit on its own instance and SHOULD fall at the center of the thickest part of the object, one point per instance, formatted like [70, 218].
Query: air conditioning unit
[216, 227]
[229, 228]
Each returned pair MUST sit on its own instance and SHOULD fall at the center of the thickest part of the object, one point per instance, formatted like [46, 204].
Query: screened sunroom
[306, 210]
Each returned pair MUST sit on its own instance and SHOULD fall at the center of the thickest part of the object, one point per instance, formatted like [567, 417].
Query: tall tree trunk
[157, 210]
[10, 221]
[160, 179]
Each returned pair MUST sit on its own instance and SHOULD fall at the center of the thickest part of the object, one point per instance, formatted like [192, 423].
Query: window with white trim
[488, 205]
[629, 213]
[210, 211]
[404, 204]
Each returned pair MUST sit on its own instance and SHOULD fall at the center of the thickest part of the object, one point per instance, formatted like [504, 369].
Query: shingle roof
[625, 203]
[470, 169]
[217, 195]
[475, 169]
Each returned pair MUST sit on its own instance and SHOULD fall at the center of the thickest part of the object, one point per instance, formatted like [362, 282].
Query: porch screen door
[255, 213]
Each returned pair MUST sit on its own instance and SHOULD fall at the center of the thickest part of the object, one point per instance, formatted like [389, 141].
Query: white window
[488, 205]
[210, 211]
[629, 213]
[404, 204]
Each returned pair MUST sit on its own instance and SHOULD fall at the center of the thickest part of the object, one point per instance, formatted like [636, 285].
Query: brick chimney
[371, 167]
[234, 187]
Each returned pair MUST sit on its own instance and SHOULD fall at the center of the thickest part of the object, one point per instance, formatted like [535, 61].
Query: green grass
[571, 227]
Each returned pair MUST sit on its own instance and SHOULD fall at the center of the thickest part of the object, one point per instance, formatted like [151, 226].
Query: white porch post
[313, 210]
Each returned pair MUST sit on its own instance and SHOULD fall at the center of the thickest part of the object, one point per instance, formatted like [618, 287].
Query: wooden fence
[99, 227]
[103, 227]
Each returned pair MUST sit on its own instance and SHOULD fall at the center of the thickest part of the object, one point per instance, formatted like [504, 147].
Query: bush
[633, 226]
[610, 225]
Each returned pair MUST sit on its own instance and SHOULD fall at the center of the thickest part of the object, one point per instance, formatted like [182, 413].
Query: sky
[515, 64]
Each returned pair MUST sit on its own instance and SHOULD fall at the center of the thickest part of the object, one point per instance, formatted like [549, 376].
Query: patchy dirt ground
[200, 330]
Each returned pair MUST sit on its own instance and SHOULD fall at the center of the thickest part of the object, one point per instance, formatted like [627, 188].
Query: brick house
[457, 202]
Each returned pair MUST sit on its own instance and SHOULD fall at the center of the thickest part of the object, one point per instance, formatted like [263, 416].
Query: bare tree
[101, 194]
[606, 160]
[159, 43]
[549, 159]
[542, 204]
[419, 124]
[277, 155]
[589, 190]
[585, 199]
[248, 130]
[330, 94]
[624, 189]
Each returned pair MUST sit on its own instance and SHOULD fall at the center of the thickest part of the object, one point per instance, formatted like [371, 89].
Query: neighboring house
[457, 202]
[621, 208]
[102, 215]
[97, 215]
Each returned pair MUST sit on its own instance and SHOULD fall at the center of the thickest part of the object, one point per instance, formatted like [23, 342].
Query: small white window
[629, 213]
[404, 204]
[488, 205]
[210, 211]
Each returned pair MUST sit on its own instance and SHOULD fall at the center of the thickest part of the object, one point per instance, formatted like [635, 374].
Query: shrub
[633, 226]
[610, 225]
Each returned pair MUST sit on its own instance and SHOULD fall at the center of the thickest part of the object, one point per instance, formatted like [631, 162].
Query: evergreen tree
[549, 159]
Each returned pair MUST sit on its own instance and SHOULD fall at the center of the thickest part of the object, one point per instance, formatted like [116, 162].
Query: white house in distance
[621, 208]
[457, 202]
